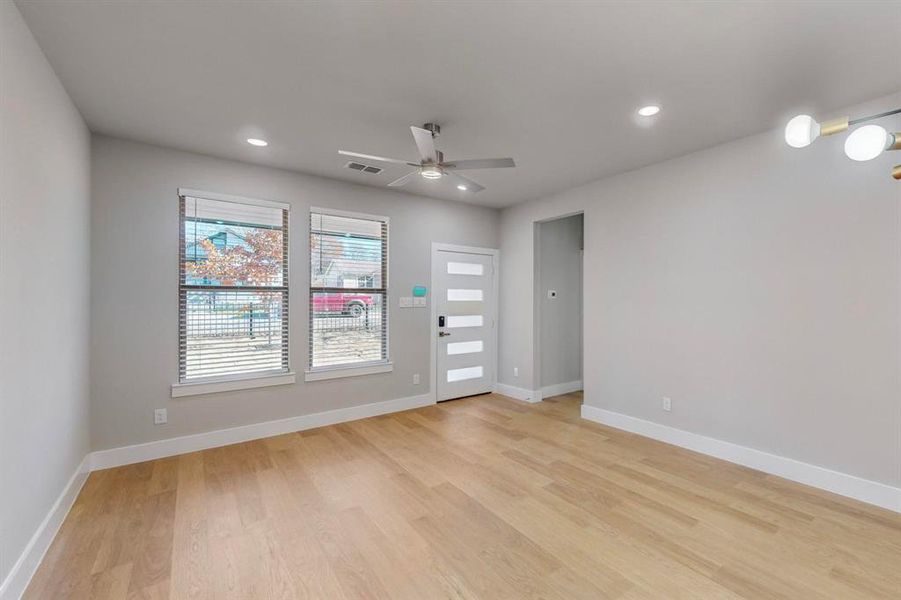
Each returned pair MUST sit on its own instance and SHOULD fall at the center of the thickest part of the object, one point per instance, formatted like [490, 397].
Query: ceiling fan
[432, 164]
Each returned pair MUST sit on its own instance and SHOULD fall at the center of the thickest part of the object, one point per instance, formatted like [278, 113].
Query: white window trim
[242, 382]
[370, 368]
[348, 371]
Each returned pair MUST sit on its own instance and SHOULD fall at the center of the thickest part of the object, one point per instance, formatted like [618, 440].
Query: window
[233, 288]
[348, 290]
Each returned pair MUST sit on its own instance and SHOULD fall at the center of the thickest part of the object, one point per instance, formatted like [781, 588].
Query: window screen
[348, 290]
[233, 289]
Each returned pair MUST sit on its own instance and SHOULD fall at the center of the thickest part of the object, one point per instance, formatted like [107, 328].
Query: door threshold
[465, 397]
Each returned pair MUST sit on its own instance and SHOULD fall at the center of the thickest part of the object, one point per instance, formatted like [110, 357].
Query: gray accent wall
[44, 287]
[134, 247]
[756, 285]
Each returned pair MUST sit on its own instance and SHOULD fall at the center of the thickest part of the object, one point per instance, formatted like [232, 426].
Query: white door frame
[538, 299]
[433, 311]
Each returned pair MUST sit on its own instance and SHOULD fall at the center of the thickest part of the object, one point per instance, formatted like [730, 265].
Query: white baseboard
[523, 394]
[21, 573]
[871, 492]
[561, 388]
[126, 455]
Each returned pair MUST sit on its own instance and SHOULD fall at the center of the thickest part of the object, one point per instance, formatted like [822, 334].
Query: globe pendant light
[868, 142]
[864, 143]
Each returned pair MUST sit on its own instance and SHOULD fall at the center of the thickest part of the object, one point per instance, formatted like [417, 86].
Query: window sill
[338, 372]
[228, 385]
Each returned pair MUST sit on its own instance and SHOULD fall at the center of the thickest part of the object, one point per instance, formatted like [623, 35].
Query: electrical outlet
[516, 371]
[160, 416]
[415, 378]
[667, 404]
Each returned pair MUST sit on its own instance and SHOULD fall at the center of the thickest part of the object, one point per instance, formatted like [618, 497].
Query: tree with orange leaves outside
[257, 262]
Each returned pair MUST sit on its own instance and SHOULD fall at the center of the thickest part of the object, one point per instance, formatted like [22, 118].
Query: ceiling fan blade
[458, 180]
[480, 163]
[425, 143]
[378, 158]
[403, 179]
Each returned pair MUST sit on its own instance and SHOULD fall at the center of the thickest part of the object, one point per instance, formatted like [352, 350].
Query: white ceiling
[552, 84]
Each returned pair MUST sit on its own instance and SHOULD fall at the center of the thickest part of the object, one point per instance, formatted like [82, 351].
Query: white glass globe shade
[801, 131]
[866, 143]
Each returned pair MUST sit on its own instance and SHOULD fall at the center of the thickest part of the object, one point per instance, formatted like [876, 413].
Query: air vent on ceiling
[364, 168]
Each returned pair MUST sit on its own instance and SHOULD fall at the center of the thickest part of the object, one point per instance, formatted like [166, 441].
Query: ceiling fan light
[867, 142]
[431, 172]
[801, 131]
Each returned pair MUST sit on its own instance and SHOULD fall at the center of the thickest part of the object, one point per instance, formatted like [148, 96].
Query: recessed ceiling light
[462, 188]
[649, 111]
[257, 142]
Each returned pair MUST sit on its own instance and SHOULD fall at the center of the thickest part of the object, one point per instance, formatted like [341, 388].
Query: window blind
[233, 289]
[348, 290]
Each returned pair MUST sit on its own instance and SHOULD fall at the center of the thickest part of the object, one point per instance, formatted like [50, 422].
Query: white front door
[465, 300]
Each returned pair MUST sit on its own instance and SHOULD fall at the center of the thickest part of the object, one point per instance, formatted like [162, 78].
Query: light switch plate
[406, 302]
[552, 293]
[419, 302]
[160, 416]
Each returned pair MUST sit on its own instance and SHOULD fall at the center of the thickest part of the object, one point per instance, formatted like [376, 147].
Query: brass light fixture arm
[834, 126]
[841, 124]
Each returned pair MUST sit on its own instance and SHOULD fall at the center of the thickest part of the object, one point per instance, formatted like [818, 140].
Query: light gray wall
[560, 318]
[44, 292]
[756, 285]
[135, 258]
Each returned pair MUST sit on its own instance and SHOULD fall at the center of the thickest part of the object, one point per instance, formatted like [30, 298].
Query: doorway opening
[559, 247]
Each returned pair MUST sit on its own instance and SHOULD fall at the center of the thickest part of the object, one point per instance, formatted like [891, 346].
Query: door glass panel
[464, 347]
[465, 321]
[462, 268]
[463, 374]
[464, 295]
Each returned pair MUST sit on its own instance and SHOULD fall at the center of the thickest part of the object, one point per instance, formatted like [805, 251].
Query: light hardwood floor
[484, 497]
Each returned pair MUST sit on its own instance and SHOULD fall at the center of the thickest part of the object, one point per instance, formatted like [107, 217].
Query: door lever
[443, 333]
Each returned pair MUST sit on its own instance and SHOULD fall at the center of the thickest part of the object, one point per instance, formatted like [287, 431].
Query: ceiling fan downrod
[433, 128]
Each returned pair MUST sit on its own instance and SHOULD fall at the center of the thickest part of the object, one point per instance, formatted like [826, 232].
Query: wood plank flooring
[484, 497]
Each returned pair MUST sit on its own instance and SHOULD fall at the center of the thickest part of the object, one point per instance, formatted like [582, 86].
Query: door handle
[443, 333]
